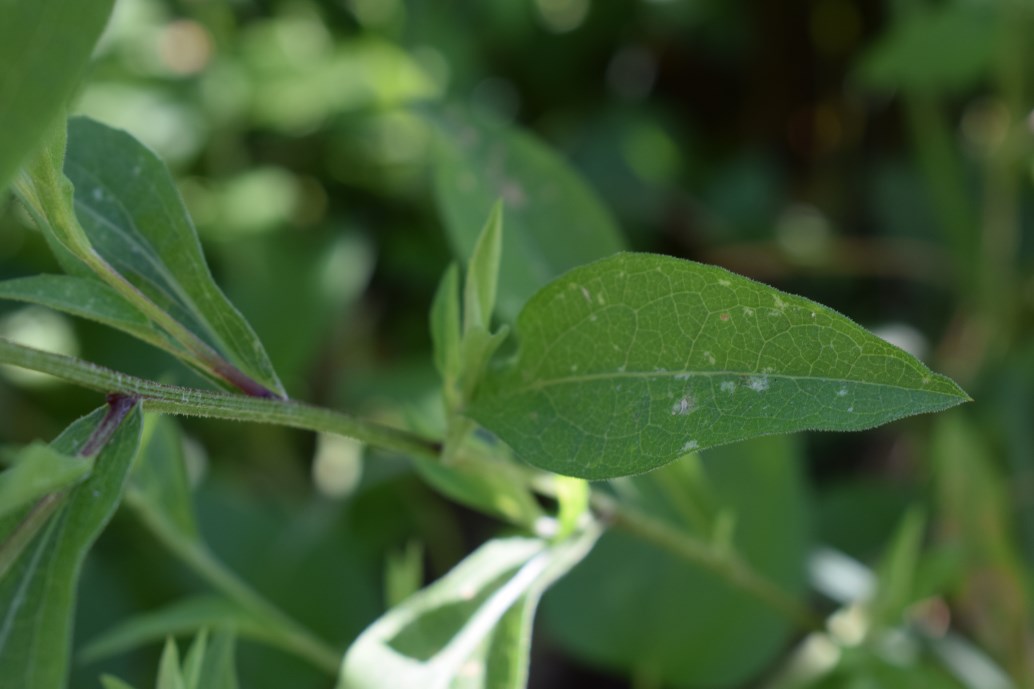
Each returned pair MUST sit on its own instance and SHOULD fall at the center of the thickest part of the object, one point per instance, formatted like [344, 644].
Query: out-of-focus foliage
[877, 157]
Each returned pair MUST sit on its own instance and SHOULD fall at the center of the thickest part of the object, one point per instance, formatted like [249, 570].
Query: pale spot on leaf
[683, 406]
[758, 383]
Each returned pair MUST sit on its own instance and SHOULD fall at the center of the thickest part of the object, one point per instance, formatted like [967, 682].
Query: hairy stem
[171, 399]
[191, 402]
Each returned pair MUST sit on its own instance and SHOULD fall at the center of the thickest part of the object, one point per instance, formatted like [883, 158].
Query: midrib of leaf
[542, 383]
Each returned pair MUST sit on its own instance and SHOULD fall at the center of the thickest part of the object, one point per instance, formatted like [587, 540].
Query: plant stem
[192, 402]
[172, 399]
[291, 635]
[723, 562]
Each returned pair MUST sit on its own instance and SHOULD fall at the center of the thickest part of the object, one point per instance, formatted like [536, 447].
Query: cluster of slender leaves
[206, 666]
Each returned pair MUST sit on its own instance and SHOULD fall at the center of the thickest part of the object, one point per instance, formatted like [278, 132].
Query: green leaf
[219, 670]
[427, 641]
[195, 656]
[45, 46]
[445, 327]
[554, 220]
[634, 608]
[145, 248]
[169, 674]
[490, 485]
[403, 573]
[86, 298]
[633, 361]
[37, 597]
[896, 586]
[38, 470]
[109, 682]
[207, 665]
[128, 204]
[483, 274]
[508, 654]
[944, 49]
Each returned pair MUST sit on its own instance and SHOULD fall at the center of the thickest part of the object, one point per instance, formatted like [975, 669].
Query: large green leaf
[469, 629]
[635, 608]
[37, 597]
[554, 221]
[633, 361]
[45, 46]
[128, 205]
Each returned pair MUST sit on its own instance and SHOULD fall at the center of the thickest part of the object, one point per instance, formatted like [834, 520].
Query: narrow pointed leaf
[39, 469]
[483, 273]
[45, 46]
[169, 674]
[129, 207]
[633, 361]
[109, 682]
[219, 670]
[896, 578]
[554, 220]
[195, 657]
[445, 325]
[37, 597]
[85, 298]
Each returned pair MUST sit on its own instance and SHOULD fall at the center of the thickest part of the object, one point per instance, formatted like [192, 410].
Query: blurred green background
[877, 157]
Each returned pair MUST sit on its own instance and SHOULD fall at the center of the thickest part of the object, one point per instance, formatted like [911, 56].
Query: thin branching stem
[288, 633]
[725, 562]
[192, 402]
